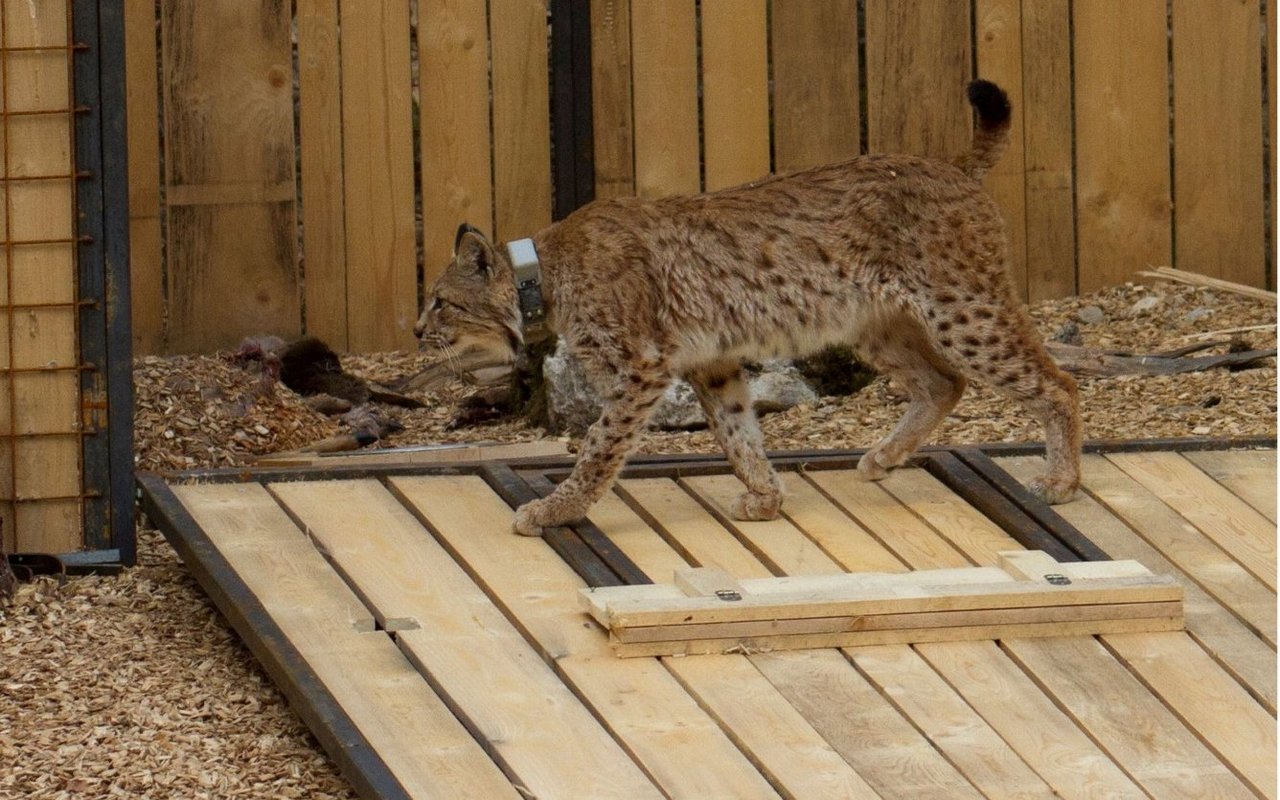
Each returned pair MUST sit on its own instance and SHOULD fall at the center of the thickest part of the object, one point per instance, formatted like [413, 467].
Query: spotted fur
[902, 258]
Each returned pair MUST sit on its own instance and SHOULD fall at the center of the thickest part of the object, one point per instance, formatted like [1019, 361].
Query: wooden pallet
[1029, 594]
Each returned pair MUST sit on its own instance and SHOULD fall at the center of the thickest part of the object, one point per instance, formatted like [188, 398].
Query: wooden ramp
[436, 654]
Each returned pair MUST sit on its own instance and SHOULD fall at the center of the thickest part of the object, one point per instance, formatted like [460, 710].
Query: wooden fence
[1143, 135]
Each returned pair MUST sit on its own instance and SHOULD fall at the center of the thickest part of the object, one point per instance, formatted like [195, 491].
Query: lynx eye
[437, 304]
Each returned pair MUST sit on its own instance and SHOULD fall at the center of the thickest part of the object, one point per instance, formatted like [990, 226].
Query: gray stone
[1196, 313]
[1090, 315]
[572, 403]
[1144, 306]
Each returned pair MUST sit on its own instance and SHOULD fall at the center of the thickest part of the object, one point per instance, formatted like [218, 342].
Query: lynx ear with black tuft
[464, 229]
[474, 253]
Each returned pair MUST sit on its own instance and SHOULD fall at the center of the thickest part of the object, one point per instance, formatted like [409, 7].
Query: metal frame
[969, 471]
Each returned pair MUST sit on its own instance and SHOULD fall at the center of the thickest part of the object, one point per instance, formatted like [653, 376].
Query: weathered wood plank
[735, 91]
[521, 118]
[955, 520]
[918, 62]
[228, 112]
[664, 75]
[1241, 531]
[377, 158]
[424, 746]
[478, 661]
[1217, 140]
[816, 117]
[324, 236]
[1233, 645]
[834, 531]
[1249, 474]
[638, 699]
[146, 264]
[613, 132]
[1122, 139]
[457, 173]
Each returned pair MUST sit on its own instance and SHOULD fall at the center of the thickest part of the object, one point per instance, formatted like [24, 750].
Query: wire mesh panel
[41, 469]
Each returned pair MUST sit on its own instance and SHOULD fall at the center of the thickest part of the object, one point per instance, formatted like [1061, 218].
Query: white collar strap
[528, 277]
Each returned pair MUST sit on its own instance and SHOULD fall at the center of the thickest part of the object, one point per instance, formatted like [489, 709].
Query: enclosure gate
[65, 379]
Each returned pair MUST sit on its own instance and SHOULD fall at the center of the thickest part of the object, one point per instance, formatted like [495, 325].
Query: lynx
[902, 258]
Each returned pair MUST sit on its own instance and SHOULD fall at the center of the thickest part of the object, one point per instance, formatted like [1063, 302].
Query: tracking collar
[528, 276]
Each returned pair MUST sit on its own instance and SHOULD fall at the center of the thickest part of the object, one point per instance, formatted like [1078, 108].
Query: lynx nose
[419, 329]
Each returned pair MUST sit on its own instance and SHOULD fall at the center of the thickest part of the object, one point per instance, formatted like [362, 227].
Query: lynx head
[472, 306]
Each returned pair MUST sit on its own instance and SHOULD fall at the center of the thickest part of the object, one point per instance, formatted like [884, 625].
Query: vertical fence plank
[377, 147]
[145, 265]
[664, 58]
[229, 170]
[521, 118]
[1219, 199]
[457, 177]
[735, 91]
[1000, 56]
[45, 476]
[918, 63]
[1047, 142]
[1122, 139]
[611, 98]
[815, 82]
[1273, 22]
[324, 237]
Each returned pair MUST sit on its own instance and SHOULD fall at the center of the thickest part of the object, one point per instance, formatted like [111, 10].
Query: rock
[1196, 313]
[1069, 333]
[1090, 315]
[1144, 306]
[572, 403]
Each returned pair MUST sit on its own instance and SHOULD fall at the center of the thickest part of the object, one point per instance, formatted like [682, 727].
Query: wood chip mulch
[134, 687]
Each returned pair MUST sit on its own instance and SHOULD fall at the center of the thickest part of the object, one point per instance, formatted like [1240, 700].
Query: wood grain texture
[1273, 23]
[816, 114]
[735, 91]
[324, 235]
[1027, 719]
[1219, 201]
[1123, 203]
[998, 33]
[839, 536]
[1241, 531]
[637, 698]
[664, 74]
[1249, 474]
[1232, 644]
[425, 747]
[457, 171]
[228, 109]
[377, 157]
[521, 118]
[476, 659]
[146, 265]
[954, 519]
[613, 134]
[918, 63]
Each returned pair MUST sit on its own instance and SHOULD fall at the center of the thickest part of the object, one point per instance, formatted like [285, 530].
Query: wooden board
[613, 130]
[814, 49]
[664, 75]
[324, 234]
[429, 454]
[1218, 188]
[426, 748]
[377, 179]
[457, 172]
[918, 63]
[146, 267]
[1122, 132]
[229, 174]
[1249, 474]
[521, 120]
[735, 91]
[42, 407]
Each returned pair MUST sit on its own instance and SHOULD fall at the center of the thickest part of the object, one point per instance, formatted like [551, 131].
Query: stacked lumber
[1028, 595]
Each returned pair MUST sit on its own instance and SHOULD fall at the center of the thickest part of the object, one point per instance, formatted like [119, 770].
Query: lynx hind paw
[1051, 491]
[753, 507]
[526, 521]
[870, 469]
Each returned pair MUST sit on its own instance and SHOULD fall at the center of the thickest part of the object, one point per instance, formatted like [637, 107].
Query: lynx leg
[901, 350]
[605, 448]
[726, 402]
[992, 340]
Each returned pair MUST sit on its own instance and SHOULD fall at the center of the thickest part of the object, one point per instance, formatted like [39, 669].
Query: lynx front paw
[530, 518]
[1052, 491]
[753, 507]
[869, 467]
